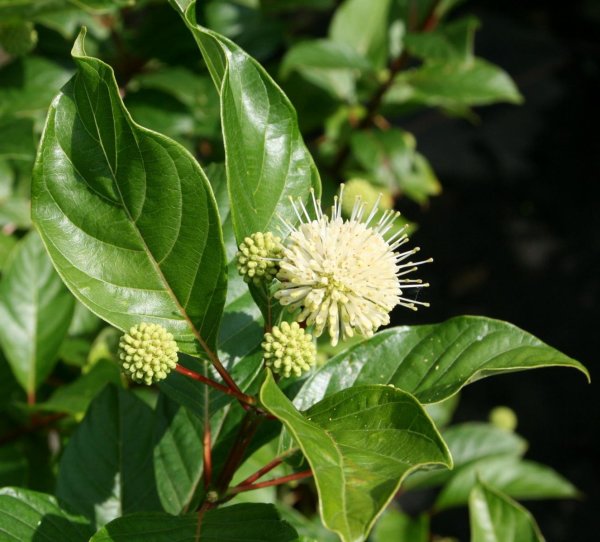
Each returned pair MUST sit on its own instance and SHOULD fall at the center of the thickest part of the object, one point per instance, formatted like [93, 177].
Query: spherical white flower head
[289, 350]
[147, 353]
[345, 274]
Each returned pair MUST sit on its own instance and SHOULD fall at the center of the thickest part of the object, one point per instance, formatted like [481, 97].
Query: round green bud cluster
[257, 257]
[18, 38]
[503, 418]
[288, 350]
[368, 193]
[147, 353]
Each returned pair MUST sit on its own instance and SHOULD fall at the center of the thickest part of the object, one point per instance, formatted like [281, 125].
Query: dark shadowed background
[516, 236]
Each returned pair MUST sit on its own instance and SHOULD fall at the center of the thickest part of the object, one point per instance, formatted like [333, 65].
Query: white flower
[344, 274]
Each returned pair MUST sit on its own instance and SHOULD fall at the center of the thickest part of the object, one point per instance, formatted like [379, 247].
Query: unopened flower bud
[18, 38]
[369, 194]
[147, 353]
[288, 350]
[503, 418]
[257, 257]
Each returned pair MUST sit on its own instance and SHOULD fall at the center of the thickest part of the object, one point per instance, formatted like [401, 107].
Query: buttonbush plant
[194, 326]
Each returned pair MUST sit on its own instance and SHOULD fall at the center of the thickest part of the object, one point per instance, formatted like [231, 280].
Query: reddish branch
[273, 482]
[245, 399]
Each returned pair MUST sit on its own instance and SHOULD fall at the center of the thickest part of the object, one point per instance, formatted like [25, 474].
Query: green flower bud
[147, 353]
[503, 418]
[18, 38]
[288, 350]
[368, 193]
[257, 257]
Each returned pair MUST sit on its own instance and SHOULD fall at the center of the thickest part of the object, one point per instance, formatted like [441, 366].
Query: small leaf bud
[503, 418]
[257, 257]
[147, 353]
[288, 350]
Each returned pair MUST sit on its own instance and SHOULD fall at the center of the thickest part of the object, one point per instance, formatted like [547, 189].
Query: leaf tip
[78, 49]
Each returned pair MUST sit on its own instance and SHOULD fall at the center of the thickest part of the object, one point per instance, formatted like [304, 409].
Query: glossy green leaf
[29, 516]
[16, 138]
[127, 214]
[469, 443]
[178, 458]
[266, 159]
[362, 24]
[360, 444]
[230, 524]
[35, 311]
[518, 478]
[497, 518]
[106, 469]
[75, 398]
[454, 84]
[433, 362]
[397, 526]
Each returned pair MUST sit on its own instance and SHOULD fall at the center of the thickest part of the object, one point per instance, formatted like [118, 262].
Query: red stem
[207, 455]
[273, 482]
[242, 397]
[236, 455]
[267, 468]
[261, 472]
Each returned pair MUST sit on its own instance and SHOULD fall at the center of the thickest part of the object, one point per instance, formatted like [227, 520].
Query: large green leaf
[178, 458]
[497, 518]
[468, 443]
[267, 161]
[106, 469]
[454, 85]
[127, 215]
[362, 24]
[29, 516]
[235, 523]
[512, 475]
[433, 362]
[35, 311]
[360, 444]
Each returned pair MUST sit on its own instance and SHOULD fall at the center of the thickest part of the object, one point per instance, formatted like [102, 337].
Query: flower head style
[147, 353]
[289, 350]
[345, 274]
[258, 257]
